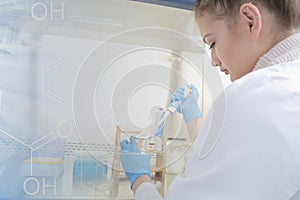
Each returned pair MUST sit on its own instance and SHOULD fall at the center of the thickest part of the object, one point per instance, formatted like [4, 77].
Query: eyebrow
[205, 36]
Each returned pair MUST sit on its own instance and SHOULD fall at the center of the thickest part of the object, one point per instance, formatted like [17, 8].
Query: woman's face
[231, 45]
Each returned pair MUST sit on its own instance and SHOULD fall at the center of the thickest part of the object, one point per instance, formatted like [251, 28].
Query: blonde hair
[286, 12]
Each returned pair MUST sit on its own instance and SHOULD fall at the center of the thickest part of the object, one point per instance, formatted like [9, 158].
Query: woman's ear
[251, 14]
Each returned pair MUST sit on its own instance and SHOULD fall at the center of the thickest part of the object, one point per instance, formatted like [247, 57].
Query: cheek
[229, 54]
[224, 54]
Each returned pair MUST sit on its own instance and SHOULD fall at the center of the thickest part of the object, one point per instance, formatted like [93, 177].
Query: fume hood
[181, 4]
[73, 71]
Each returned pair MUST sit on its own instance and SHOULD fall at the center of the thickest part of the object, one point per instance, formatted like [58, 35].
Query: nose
[215, 61]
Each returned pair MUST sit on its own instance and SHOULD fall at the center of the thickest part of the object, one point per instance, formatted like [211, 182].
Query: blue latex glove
[134, 163]
[188, 105]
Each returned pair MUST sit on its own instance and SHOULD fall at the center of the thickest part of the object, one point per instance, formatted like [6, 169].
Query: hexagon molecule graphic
[58, 80]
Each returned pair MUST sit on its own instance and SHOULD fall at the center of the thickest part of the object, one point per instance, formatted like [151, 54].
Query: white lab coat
[249, 146]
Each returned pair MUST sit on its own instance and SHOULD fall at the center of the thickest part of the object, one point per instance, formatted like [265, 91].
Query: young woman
[255, 154]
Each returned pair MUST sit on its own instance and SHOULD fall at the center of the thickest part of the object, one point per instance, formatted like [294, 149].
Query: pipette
[157, 133]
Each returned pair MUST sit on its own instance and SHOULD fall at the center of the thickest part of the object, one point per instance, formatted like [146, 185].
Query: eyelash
[212, 45]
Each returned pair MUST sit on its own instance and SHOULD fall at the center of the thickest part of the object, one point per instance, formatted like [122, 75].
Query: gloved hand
[188, 105]
[134, 163]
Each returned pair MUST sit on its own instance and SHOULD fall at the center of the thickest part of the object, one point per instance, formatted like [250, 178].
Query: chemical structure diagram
[57, 79]
[41, 150]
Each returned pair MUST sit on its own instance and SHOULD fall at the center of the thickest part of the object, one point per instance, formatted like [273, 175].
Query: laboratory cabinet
[73, 72]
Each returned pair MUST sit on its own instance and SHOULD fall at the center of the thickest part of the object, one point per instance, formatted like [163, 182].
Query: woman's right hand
[188, 105]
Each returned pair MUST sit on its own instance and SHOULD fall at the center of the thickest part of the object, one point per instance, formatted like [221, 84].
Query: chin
[232, 78]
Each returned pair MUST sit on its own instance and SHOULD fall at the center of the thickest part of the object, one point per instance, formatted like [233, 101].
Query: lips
[225, 71]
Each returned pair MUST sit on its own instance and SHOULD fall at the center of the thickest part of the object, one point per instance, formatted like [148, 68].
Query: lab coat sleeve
[147, 191]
